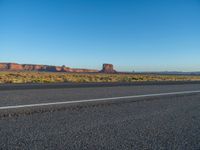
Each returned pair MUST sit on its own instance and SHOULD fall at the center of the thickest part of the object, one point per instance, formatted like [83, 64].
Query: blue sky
[140, 35]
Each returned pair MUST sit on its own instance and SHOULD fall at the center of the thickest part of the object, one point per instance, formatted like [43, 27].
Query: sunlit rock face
[14, 66]
[108, 68]
[47, 68]
[10, 66]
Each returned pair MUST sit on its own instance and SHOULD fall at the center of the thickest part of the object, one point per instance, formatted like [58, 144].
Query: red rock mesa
[107, 68]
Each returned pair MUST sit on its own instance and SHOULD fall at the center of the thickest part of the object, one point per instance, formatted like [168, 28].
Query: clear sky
[140, 35]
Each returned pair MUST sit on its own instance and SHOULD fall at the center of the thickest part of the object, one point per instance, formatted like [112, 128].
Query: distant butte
[107, 68]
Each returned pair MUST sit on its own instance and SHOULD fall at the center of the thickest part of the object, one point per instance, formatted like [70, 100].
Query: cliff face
[107, 68]
[10, 66]
[3, 66]
[29, 67]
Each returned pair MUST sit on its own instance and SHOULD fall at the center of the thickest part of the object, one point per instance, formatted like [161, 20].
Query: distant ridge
[171, 73]
[35, 67]
[107, 68]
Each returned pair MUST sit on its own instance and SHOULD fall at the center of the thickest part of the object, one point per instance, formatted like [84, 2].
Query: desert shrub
[46, 77]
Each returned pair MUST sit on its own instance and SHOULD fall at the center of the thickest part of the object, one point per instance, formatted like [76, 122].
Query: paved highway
[152, 116]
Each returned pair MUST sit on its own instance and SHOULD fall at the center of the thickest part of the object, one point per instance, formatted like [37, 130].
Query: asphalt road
[168, 121]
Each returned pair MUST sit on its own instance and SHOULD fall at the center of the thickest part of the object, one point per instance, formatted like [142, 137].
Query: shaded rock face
[34, 67]
[3, 66]
[83, 70]
[108, 68]
[30, 67]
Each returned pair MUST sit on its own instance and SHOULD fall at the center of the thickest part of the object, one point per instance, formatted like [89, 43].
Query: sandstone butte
[107, 68]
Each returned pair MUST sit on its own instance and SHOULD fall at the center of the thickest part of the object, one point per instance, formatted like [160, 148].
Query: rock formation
[47, 68]
[3, 66]
[11, 66]
[108, 68]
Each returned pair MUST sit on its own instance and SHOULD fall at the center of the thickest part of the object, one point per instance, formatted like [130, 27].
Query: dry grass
[46, 77]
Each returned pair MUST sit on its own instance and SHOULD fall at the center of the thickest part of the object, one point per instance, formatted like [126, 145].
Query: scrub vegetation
[46, 77]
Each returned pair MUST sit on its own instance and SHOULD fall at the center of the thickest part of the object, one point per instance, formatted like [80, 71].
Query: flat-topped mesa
[108, 68]
[44, 68]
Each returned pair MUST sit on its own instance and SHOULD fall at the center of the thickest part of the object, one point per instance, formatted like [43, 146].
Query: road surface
[152, 116]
